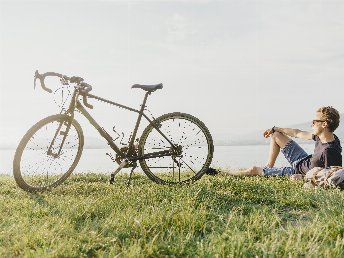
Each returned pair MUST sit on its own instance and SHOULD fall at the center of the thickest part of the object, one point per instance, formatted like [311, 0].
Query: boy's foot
[212, 171]
[253, 171]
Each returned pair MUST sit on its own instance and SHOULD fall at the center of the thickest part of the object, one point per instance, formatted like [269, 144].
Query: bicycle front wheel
[189, 157]
[48, 153]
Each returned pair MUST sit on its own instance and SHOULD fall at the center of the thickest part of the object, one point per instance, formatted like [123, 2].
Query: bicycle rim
[192, 138]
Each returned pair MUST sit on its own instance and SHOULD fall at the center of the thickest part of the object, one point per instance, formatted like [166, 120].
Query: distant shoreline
[216, 144]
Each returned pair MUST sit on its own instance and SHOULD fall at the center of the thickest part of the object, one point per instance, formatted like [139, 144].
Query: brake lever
[85, 102]
[76, 79]
[64, 80]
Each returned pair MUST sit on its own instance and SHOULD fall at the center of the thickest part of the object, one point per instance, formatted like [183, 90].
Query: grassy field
[218, 216]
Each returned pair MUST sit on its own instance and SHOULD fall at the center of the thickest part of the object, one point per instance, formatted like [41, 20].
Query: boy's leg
[293, 153]
[253, 171]
[278, 141]
[266, 171]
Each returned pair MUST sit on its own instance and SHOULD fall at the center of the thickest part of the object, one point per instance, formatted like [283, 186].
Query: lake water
[226, 157]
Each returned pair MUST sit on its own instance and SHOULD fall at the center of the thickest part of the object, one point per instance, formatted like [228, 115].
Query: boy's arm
[296, 133]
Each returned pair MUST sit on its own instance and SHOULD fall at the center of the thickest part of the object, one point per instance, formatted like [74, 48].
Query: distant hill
[252, 138]
[89, 143]
[95, 143]
[256, 137]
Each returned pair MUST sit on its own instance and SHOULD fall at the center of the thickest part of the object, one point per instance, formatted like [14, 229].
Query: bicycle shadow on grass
[39, 199]
[50, 207]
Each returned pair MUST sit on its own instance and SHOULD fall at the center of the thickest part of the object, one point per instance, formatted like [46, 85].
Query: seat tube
[131, 144]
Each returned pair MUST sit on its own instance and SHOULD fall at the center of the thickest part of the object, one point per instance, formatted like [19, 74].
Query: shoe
[212, 172]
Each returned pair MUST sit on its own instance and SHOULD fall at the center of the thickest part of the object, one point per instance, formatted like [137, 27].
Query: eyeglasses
[318, 121]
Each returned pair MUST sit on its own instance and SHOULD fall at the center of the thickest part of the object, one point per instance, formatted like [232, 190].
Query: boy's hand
[267, 133]
[296, 177]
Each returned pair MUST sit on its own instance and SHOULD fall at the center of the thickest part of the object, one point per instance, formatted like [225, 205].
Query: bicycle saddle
[150, 88]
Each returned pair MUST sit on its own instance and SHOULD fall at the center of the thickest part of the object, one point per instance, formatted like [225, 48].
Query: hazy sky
[237, 65]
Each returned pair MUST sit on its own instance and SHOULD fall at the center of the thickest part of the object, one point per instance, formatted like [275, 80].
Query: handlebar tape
[41, 78]
[84, 100]
[88, 87]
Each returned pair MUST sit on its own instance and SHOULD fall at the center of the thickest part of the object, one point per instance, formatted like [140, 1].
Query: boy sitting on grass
[327, 151]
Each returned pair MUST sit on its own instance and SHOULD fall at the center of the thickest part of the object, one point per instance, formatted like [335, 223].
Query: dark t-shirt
[325, 155]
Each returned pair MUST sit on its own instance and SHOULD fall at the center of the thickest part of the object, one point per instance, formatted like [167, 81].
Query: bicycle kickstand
[131, 174]
[112, 176]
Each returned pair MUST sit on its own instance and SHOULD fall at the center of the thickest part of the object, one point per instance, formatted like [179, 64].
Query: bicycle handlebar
[41, 77]
[86, 88]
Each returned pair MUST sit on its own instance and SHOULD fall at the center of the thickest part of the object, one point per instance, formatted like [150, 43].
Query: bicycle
[174, 148]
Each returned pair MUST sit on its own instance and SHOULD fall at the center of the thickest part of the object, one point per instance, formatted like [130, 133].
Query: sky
[237, 65]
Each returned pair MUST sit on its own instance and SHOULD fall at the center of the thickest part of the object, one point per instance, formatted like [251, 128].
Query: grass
[215, 217]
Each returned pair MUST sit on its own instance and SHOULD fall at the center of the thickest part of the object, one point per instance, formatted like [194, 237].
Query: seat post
[145, 100]
[131, 144]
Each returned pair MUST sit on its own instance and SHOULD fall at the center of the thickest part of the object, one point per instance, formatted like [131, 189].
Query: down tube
[101, 131]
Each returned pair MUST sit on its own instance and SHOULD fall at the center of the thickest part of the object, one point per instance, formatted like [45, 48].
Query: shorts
[294, 154]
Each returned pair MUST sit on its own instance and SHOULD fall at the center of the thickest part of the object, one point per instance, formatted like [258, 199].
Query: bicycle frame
[130, 155]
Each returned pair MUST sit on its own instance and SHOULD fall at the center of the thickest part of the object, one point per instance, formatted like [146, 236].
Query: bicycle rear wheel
[48, 153]
[189, 159]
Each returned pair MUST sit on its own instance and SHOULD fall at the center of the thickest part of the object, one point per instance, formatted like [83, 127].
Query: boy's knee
[277, 135]
[281, 139]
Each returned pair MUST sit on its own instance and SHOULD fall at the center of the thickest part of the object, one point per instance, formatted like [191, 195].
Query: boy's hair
[331, 116]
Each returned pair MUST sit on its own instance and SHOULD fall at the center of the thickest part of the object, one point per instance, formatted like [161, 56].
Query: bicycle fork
[64, 133]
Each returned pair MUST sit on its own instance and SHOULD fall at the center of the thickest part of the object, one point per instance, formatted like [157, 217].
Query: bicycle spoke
[188, 166]
[160, 167]
[173, 168]
[179, 169]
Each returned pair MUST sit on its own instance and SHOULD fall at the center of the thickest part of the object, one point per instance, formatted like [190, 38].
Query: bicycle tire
[34, 146]
[196, 145]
